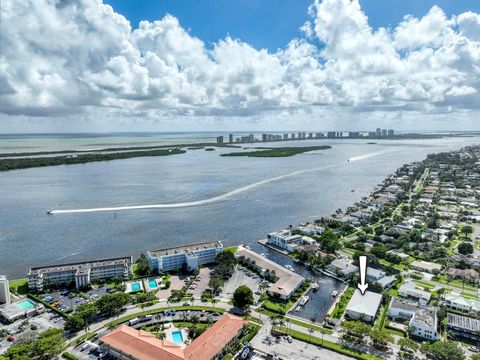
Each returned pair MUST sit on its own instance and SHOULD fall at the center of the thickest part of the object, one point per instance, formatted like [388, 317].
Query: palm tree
[313, 320]
[161, 335]
[214, 301]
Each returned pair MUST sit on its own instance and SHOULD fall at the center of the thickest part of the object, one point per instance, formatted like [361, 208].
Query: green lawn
[305, 324]
[399, 267]
[328, 345]
[424, 284]
[20, 286]
[343, 302]
[232, 249]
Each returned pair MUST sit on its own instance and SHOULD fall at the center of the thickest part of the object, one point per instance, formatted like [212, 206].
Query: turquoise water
[136, 287]
[177, 337]
[152, 284]
[26, 304]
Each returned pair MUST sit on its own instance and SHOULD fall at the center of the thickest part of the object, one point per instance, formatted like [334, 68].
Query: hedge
[156, 311]
[69, 356]
[37, 299]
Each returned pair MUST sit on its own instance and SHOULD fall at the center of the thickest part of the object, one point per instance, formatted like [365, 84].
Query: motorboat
[334, 293]
[304, 300]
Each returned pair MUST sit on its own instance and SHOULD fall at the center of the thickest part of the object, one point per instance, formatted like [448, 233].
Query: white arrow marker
[363, 274]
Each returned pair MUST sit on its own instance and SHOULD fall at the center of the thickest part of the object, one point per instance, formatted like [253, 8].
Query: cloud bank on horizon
[62, 59]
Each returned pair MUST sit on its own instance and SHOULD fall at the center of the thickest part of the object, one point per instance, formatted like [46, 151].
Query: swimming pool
[177, 337]
[152, 284]
[136, 286]
[26, 304]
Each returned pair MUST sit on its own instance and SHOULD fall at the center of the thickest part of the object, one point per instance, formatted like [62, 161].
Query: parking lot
[200, 284]
[240, 277]
[26, 327]
[176, 283]
[65, 300]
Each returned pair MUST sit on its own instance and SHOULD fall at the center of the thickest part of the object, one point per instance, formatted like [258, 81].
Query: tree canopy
[243, 297]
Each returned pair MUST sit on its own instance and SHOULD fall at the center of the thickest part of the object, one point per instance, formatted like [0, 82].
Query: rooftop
[403, 305]
[367, 304]
[463, 323]
[411, 289]
[80, 266]
[427, 317]
[426, 265]
[143, 345]
[189, 249]
[287, 281]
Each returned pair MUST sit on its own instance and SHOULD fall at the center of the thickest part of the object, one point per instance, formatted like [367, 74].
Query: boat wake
[372, 154]
[212, 199]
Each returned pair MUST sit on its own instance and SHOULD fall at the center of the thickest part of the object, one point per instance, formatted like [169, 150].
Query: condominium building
[127, 343]
[191, 256]
[79, 274]
[4, 290]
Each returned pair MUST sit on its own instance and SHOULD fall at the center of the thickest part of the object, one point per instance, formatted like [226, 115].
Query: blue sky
[78, 65]
[269, 23]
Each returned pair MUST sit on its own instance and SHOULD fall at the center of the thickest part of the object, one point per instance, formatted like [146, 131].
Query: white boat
[334, 293]
[304, 300]
[315, 286]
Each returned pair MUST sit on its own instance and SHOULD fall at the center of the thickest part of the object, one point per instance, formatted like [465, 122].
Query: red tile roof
[215, 338]
[142, 345]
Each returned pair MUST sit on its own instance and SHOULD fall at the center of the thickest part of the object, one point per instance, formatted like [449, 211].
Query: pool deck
[129, 288]
[13, 311]
[171, 330]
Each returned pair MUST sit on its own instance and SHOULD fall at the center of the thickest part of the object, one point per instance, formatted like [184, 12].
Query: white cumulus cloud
[68, 57]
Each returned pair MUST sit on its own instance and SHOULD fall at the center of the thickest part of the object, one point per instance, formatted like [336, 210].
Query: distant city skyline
[89, 66]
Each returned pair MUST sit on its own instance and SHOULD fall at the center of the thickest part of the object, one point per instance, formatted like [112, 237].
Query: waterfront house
[190, 256]
[285, 240]
[342, 267]
[363, 307]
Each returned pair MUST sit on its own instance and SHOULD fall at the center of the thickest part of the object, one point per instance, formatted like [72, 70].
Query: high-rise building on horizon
[230, 138]
[219, 139]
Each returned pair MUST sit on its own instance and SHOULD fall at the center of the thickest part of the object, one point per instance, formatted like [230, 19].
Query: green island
[30, 162]
[190, 146]
[278, 152]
